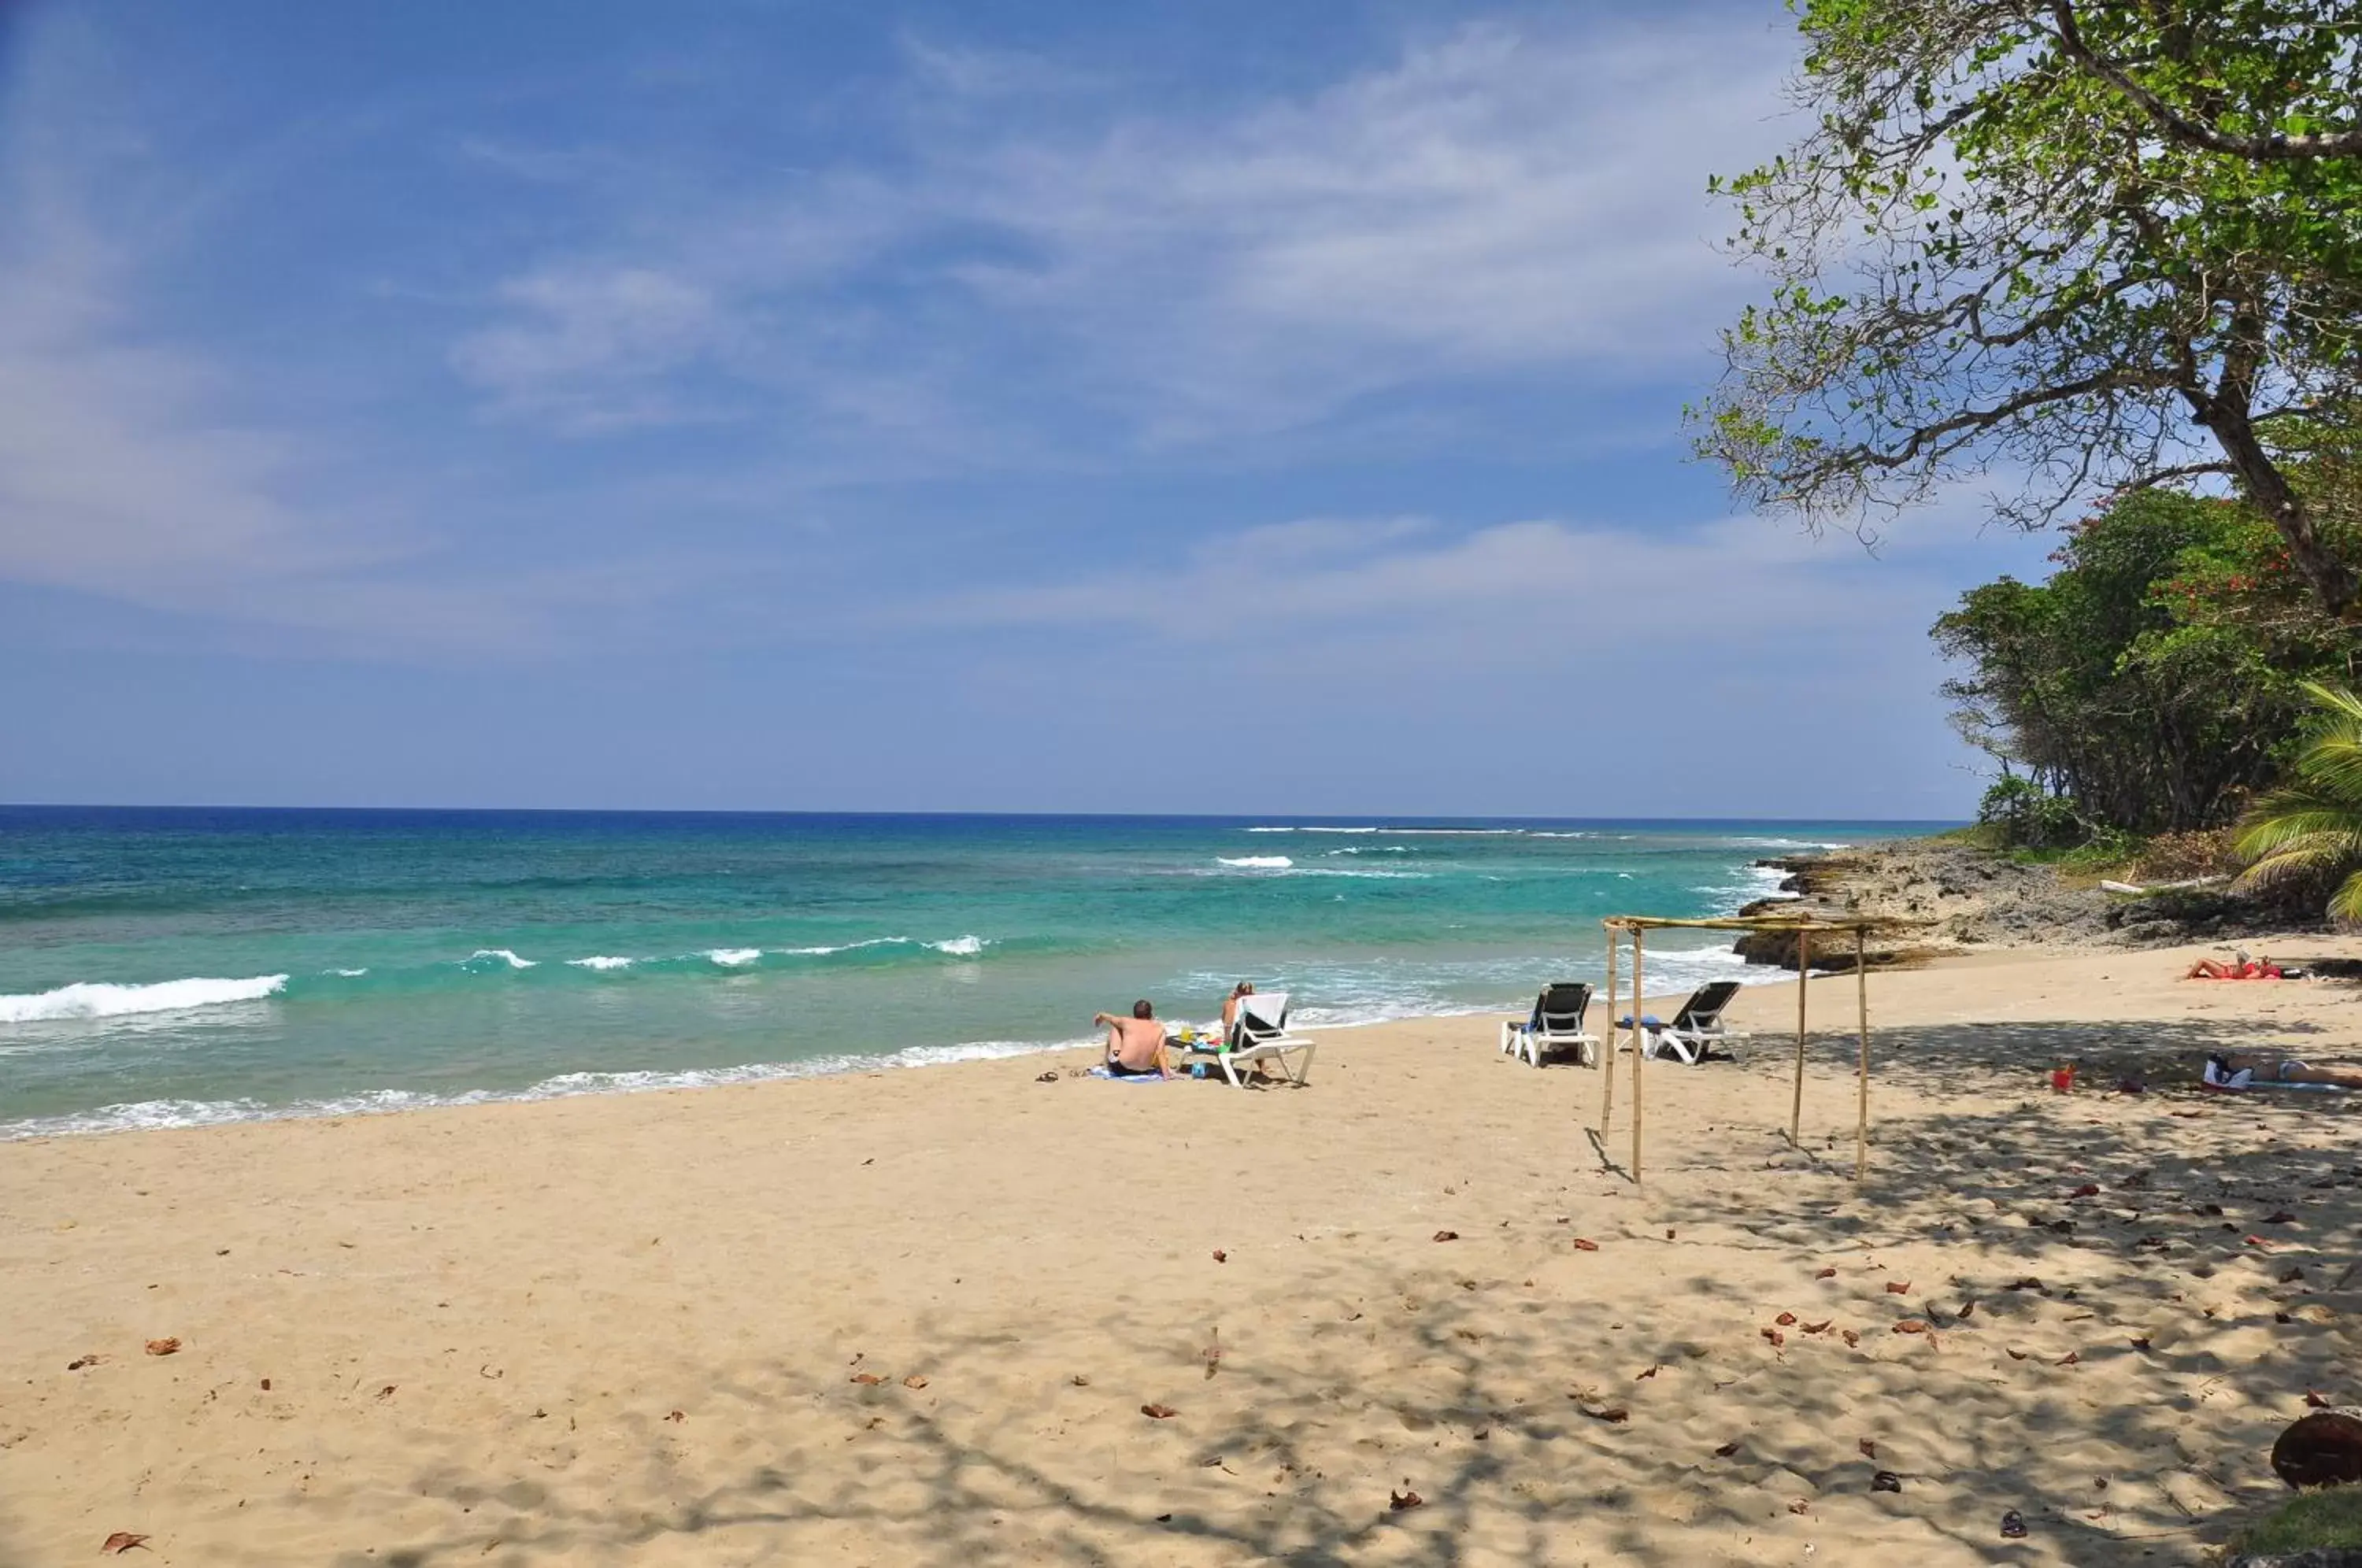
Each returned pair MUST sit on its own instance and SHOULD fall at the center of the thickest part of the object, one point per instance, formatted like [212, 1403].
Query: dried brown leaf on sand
[1585, 1244]
[1850, 1336]
[163, 1347]
[914, 1381]
[1826, 1273]
[1869, 1449]
[1649, 1372]
[1898, 1288]
[1447, 1235]
[1614, 1415]
[123, 1540]
[867, 1379]
[1220, 1256]
[386, 1392]
[1159, 1412]
[676, 1416]
[1911, 1326]
[1775, 1336]
[82, 1361]
[1398, 1501]
[1725, 1451]
[1785, 1320]
[1820, 1327]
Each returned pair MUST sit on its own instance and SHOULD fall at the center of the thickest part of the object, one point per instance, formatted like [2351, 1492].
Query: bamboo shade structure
[1802, 925]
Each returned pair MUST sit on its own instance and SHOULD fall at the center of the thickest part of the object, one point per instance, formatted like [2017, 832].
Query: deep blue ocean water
[181, 967]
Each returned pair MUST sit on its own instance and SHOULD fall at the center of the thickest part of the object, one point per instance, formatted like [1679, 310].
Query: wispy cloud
[1559, 591]
[1497, 203]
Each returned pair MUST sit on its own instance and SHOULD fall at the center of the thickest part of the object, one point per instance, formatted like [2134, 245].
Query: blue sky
[794, 403]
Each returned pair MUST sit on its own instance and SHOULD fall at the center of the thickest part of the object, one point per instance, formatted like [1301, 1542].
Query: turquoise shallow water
[173, 967]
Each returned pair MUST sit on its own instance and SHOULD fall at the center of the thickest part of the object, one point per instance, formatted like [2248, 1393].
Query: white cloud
[1499, 201]
[1499, 594]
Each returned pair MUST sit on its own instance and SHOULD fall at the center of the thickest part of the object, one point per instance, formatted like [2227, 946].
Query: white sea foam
[600, 961]
[824, 952]
[734, 957]
[167, 1113]
[102, 999]
[960, 946]
[351, 973]
[503, 955]
[1257, 862]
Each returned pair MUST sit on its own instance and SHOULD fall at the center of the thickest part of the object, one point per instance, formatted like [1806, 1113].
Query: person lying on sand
[1135, 1045]
[2237, 1069]
[2241, 967]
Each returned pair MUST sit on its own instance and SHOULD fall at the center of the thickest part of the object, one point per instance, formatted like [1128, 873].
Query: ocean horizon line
[1379, 818]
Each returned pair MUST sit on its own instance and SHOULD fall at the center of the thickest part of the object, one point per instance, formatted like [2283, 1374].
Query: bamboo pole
[1636, 1054]
[1803, 973]
[1862, 1114]
[1607, 1061]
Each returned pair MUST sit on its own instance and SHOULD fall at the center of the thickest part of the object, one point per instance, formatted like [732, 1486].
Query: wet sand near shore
[961, 1315]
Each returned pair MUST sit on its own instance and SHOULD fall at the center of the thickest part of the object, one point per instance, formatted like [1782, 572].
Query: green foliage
[2311, 826]
[2028, 816]
[2325, 1518]
[2098, 245]
[2155, 678]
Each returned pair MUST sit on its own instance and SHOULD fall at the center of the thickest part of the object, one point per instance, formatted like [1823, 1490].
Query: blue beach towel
[1126, 1078]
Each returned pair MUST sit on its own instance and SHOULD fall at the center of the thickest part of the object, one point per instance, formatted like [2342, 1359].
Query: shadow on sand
[2120, 1293]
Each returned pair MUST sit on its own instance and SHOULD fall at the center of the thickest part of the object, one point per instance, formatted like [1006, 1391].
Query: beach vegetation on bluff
[2083, 248]
[2155, 681]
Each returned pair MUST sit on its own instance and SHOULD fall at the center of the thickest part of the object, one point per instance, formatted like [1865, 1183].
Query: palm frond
[2334, 700]
[2331, 763]
[2313, 825]
[2345, 904]
[2292, 817]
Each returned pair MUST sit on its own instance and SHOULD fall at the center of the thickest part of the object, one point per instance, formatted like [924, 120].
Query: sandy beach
[915, 1317]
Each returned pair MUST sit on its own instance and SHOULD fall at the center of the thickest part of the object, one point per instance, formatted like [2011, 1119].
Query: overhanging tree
[2094, 245]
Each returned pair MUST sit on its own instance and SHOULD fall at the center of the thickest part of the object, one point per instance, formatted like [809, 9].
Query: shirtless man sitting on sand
[1135, 1045]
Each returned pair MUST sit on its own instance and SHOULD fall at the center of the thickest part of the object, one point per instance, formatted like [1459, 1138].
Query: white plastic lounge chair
[1555, 1024]
[1259, 1033]
[1696, 1029]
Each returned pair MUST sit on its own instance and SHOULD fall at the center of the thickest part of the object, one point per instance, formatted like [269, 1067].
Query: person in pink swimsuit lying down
[2242, 968]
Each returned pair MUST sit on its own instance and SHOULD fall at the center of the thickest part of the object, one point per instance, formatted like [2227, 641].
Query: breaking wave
[100, 1000]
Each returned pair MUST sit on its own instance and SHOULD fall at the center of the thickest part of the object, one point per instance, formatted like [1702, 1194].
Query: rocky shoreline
[1936, 896]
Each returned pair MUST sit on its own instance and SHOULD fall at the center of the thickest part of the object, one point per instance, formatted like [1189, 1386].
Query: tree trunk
[2333, 582]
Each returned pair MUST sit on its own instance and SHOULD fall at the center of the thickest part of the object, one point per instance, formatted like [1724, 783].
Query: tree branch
[2274, 146]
